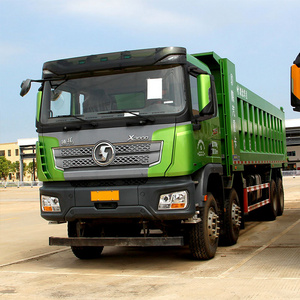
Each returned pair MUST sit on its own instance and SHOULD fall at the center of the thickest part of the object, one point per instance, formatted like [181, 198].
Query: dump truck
[295, 84]
[154, 147]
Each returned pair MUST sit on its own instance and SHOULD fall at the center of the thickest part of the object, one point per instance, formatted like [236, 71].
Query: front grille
[76, 151]
[78, 163]
[131, 160]
[133, 148]
[121, 160]
[126, 154]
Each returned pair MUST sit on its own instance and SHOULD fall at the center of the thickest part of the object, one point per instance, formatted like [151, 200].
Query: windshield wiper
[78, 118]
[84, 120]
[143, 120]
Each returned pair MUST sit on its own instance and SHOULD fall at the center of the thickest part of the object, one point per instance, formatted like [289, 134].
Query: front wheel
[76, 229]
[204, 236]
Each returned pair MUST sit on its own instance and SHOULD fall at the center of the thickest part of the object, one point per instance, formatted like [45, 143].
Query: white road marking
[256, 252]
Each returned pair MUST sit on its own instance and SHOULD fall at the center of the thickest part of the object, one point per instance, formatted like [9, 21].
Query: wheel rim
[212, 225]
[236, 215]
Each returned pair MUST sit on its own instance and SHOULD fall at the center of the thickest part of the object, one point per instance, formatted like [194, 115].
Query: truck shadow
[126, 259]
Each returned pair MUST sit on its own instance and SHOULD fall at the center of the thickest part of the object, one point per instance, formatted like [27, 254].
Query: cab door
[206, 125]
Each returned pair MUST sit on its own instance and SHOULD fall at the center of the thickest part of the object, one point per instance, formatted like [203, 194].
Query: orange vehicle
[295, 84]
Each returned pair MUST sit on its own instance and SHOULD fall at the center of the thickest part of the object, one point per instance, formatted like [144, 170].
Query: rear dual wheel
[271, 209]
[280, 197]
[276, 206]
[232, 219]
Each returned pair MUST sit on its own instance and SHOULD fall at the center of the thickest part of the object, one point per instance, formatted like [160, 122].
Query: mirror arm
[26, 85]
[196, 122]
[197, 119]
[196, 126]
[193, 70]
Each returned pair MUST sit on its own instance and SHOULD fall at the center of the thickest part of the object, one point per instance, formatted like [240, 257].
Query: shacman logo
[103, 153]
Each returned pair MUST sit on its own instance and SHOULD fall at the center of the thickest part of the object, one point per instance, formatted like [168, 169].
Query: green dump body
[252, 129]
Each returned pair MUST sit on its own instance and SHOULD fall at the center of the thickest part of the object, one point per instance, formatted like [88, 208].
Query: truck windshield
[153, 92]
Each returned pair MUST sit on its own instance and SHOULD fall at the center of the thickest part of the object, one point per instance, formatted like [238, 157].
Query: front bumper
[136, 201]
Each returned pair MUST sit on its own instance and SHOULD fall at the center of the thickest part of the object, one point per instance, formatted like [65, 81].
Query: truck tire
[83, 252]
[203, 236]
[280, 196]
[271, 209]
[232, 219]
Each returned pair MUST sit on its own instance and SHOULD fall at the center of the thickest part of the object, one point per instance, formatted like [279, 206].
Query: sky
[261, 37]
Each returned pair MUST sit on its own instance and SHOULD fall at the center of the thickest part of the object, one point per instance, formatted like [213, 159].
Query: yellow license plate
[105, 195]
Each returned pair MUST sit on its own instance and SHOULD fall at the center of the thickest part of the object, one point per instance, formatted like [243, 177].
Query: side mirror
[206, 105]
[25, 87]
[295, 87]
[297, 61]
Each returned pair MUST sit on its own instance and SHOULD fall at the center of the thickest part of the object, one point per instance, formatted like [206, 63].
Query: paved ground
[264, 264]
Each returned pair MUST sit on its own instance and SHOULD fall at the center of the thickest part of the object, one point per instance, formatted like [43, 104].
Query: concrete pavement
[264, 264]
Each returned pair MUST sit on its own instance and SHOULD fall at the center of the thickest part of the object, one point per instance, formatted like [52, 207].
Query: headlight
[177, 200]
[50, 204]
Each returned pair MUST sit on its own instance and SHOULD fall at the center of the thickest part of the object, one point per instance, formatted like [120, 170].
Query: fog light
[177, 200]
[50, 204]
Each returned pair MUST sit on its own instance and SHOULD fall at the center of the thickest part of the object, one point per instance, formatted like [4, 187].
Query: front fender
[202, 177]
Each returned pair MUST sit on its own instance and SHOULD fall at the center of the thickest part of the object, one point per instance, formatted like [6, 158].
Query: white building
[293, 143]
[22, 151]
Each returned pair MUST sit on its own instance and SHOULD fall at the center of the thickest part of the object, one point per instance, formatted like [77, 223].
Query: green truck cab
[154, 147]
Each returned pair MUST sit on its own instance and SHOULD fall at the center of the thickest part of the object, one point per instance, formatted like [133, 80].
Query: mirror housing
[205, 99]
[25, 87]
[38, 106]
[295, 87]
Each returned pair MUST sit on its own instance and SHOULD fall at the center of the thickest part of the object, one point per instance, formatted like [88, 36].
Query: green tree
[30, 169]
[15, 168]
[4, 167]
